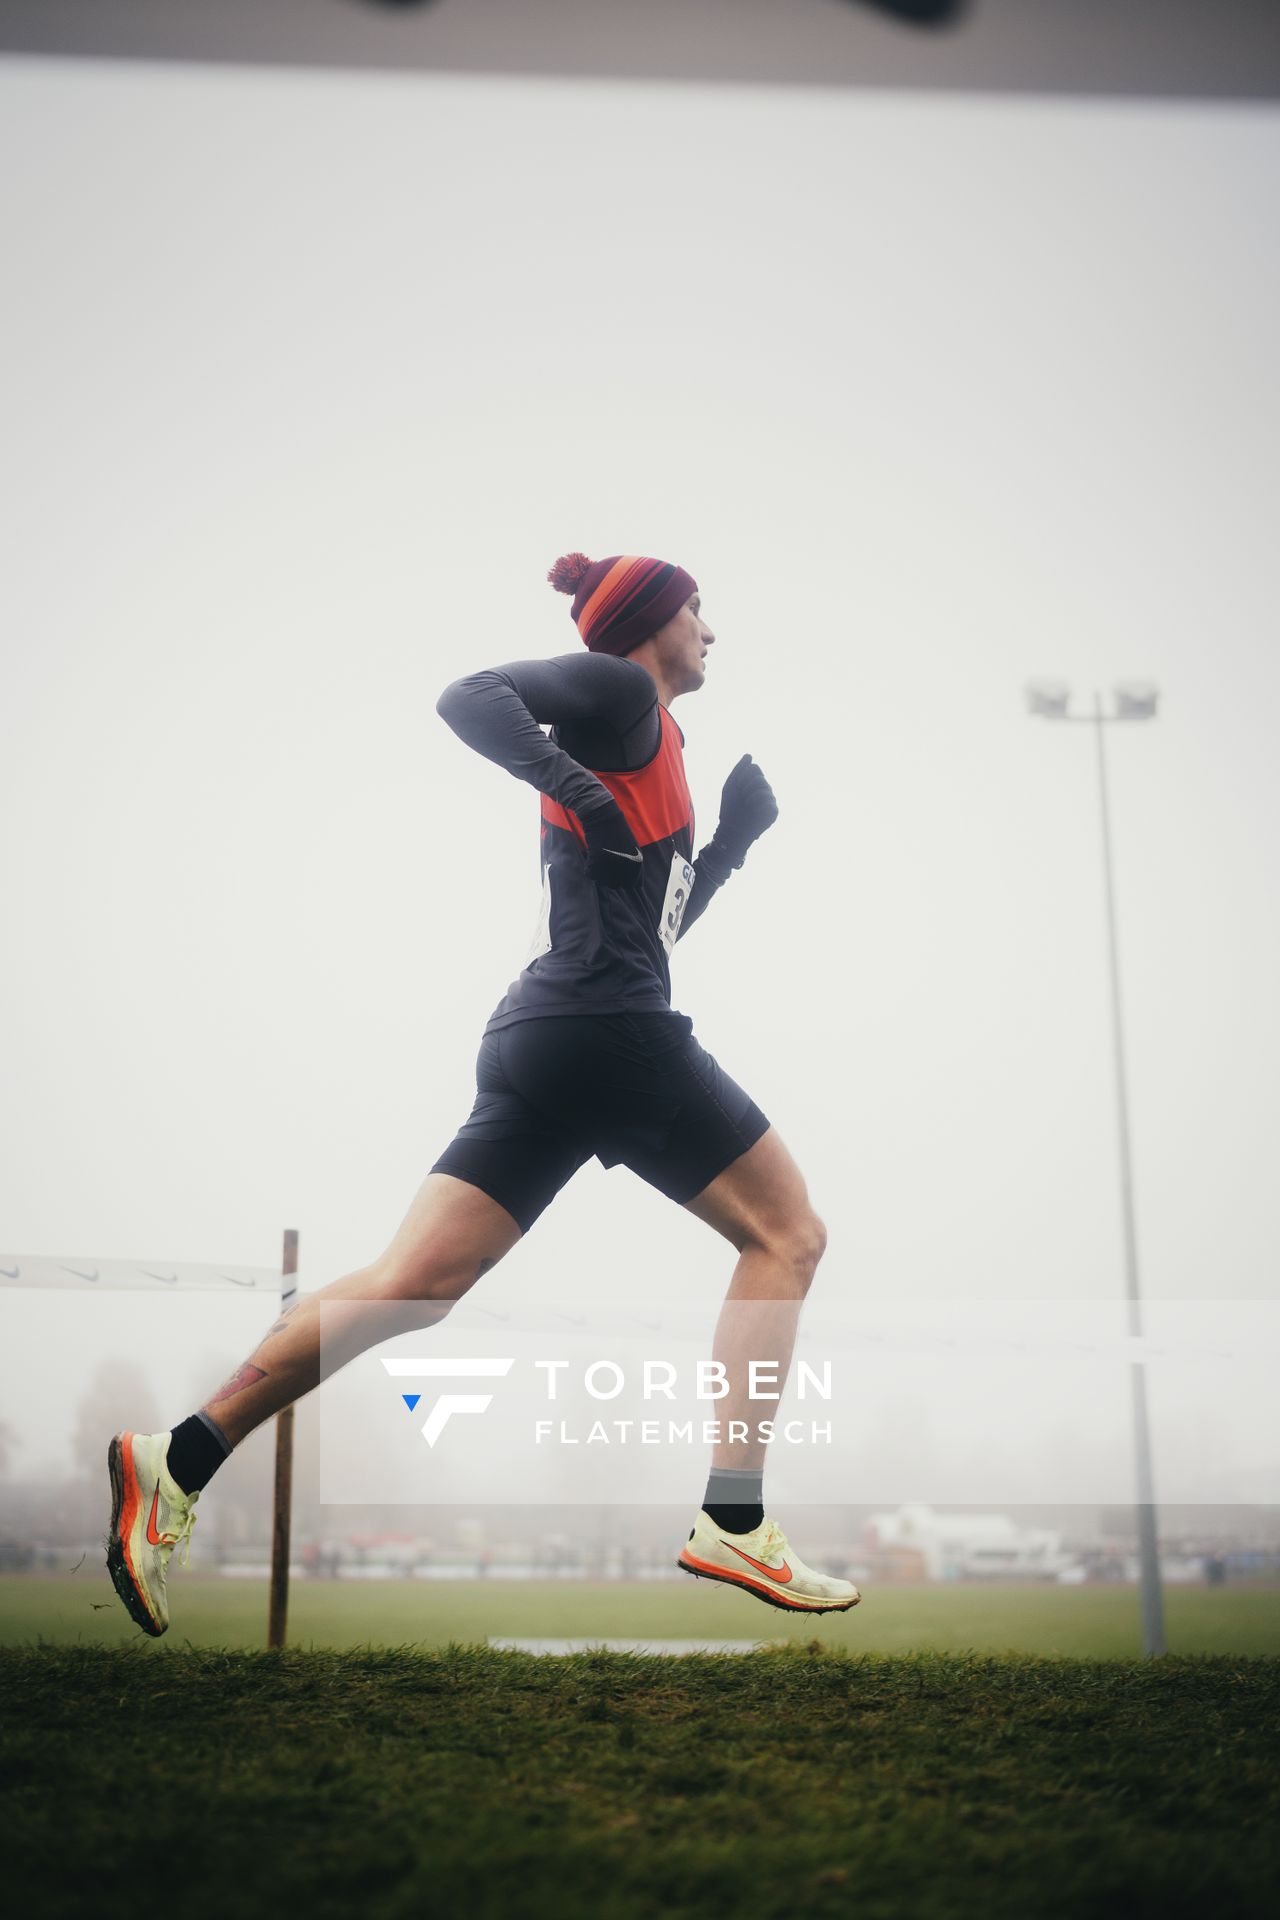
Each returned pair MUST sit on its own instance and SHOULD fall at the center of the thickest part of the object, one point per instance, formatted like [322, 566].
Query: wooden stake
[282, 1507]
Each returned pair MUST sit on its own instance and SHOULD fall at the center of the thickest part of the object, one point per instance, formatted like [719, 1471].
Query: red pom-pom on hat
[568, 572]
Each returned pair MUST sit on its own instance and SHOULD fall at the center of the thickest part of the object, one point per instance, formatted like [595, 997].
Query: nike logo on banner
[170, 1279]
[81, 1276]
[10, 1273]
[154, 1539]
[237, 1283]
[781, 1574]
[635, 858]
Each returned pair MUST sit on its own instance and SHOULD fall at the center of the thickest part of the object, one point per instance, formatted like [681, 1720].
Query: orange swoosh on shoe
[154, 1539]
[781, 1574]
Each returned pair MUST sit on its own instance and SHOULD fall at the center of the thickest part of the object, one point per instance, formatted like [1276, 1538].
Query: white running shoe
[763, 1563]
[150, 1516]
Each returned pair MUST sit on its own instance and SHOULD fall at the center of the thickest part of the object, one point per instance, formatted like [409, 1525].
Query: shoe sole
[117, 1557]
[771, 1599]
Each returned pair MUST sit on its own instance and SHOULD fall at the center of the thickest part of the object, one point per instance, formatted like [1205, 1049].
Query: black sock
[734, 1498]
[197, 1448]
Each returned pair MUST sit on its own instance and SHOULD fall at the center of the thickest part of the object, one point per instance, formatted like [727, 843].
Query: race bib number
[679, 887]
[541, 942]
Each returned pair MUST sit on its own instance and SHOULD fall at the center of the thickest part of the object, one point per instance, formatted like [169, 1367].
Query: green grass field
[602, 1787]
[1085, 1622]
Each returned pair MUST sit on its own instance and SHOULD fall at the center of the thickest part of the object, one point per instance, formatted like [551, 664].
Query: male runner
[583, 1056]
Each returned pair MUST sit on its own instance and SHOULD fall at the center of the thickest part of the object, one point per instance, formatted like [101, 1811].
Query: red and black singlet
[596, 949]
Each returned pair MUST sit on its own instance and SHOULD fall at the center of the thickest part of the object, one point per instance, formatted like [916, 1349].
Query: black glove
[613, 858]
[747, 809]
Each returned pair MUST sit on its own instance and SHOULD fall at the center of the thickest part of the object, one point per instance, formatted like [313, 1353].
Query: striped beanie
[621, 601]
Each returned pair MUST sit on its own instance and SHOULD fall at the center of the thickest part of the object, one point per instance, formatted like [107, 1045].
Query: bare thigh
[760, 1196]
[452, 1233]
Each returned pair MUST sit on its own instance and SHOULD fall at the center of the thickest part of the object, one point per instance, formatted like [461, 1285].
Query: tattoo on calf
[282, 1321]
[243, 1377]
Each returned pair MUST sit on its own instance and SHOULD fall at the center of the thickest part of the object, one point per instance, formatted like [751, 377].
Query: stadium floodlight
[1048, 699]
[1134, 700]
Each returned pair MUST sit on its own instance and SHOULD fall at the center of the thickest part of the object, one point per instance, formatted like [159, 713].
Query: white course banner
[155, 1276]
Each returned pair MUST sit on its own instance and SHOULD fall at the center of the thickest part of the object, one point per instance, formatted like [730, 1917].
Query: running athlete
[582, 1056]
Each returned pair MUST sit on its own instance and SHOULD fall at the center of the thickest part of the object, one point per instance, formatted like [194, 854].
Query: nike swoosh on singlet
[634, 858]
[781, 1574]
[154, 1539]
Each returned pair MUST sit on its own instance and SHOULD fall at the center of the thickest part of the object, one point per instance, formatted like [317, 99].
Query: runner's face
[682, 646]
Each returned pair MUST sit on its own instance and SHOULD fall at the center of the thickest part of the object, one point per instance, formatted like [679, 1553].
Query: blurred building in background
[923, 1543]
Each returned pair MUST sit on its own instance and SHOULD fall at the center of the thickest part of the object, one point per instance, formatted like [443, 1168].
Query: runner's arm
[747, 809]
[713, 868]
[501, 711]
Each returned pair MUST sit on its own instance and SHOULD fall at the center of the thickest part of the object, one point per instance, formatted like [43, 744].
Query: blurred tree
[118, 1396]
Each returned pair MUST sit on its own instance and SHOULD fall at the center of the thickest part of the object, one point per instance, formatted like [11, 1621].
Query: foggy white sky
[311, 377]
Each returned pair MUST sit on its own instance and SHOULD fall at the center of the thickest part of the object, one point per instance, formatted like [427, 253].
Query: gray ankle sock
[735, 1498]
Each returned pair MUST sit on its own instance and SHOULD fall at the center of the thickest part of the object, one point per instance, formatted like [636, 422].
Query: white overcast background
[310, 378]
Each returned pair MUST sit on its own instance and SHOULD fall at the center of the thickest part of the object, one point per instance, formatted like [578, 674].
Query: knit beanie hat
[621, 601]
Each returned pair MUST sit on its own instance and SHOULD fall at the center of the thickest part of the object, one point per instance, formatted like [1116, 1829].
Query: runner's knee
[430, 1276]
[798, 1242]
[811, 1244]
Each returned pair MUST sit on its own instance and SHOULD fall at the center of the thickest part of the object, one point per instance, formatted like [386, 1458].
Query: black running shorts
[631, 1088]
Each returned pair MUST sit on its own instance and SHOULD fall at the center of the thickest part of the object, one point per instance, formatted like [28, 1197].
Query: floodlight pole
[282, 1504]
[1153, 1640]
[1054, 707]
